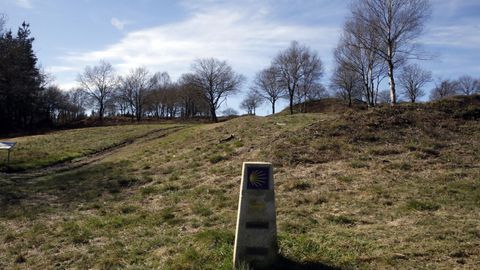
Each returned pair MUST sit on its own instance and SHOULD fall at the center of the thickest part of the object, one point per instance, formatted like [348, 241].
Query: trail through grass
[382, 189]
[38, 151]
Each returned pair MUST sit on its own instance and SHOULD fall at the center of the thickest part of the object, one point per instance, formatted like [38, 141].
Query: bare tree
[310, 87]
[192, 102]
[266, 83]
[368, 66]
[119, 100]
[297, 66]
[160, 83]
[383, 97]
[412, 79]
[468, 85]
[99, 83]
[347, 84]
[315, 92]
[397, 24]
[172, 101]
[61, 107]
[55, 102]
[444, 88]
[76, 96]
[251, 102]
[217, 80]
[135, 87]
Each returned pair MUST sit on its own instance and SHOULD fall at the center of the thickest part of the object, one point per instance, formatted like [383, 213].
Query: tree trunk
[393, 96]
[367, 91]
[213, 115]
[100, 112]
[273, 107]
[372, 89]
[291, 104]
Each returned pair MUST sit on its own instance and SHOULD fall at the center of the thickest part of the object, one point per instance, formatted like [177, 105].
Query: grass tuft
[216, 158]
[422, 205]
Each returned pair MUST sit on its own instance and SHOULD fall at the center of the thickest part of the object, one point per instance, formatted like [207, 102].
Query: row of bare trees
[412, 81]
[294, 74]
[378, 40]
[465, 85]
[378, 43]
[140, 93]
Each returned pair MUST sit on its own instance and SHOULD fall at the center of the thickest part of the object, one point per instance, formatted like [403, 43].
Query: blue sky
[169, 35]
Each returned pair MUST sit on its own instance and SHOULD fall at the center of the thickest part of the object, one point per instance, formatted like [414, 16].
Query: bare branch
[217, 80]
[468, 85]
[297, 67]
[267, 84]
[443, 89]
[412, 78]
[99, 83]
[395, 25]
[251, 102]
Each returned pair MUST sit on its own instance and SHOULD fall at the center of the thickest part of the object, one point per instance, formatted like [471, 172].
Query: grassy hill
[39, 151]
[384, 188]
[326, 105]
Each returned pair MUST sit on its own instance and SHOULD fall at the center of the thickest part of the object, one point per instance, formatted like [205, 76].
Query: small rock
[399, 256]
[229, 138]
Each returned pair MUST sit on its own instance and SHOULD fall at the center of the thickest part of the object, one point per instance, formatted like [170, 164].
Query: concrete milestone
[256, 234]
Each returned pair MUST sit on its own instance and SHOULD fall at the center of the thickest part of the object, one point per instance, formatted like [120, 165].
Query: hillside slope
[385, 188]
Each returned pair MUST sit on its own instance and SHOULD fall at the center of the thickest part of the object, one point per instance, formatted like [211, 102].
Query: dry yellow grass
[383, 189]
[32, 152]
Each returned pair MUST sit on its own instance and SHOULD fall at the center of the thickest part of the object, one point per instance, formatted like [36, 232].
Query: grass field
[390, 188]
[42, 150]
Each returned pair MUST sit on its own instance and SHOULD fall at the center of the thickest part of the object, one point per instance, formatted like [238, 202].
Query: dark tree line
[26, 103]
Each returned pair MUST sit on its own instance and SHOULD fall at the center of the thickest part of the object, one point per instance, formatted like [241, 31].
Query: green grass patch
[161, 204]
[341, 219]
[216, 158]
[357, 164]
[422, 205]
[42, 150]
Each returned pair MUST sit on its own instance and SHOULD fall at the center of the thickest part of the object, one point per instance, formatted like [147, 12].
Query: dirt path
[88, 159]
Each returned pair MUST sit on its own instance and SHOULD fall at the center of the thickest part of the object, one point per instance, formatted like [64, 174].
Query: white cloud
[119, 24]
[458, 36]
[60, 69]
[24, 3]
[66, 86]
[447, 8]
[247, 39]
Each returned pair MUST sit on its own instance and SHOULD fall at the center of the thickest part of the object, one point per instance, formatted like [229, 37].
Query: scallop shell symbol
[257, 178]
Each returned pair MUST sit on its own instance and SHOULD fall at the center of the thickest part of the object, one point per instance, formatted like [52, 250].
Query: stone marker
[256, 235]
